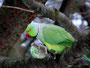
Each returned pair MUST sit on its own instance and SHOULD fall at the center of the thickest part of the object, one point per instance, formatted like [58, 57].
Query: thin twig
[4, 6]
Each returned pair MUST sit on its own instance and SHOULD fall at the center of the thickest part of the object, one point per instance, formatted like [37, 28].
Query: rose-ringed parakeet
[54, 37]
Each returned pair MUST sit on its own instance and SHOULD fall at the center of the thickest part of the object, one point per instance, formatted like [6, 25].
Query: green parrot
[54, 37]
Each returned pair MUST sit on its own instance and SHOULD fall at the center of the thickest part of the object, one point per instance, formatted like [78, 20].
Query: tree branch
[18, 8]
[67, 59]
[26, 63]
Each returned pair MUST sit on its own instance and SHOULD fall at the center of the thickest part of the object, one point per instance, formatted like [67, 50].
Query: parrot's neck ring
[38, 29]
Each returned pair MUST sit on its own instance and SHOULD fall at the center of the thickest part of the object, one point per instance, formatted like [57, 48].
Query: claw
[45, 50]
[43, 47]
[38, 47]
[54, 56]
[32, 44]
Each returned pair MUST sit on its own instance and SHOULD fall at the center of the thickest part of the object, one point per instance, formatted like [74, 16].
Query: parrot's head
[31, 30]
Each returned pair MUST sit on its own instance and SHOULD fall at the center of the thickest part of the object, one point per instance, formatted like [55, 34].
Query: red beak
[27, 35]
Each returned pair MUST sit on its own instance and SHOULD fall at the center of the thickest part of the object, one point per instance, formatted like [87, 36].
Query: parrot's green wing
[57, 35]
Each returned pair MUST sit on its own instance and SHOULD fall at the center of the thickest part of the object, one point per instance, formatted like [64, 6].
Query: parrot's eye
[29, 29]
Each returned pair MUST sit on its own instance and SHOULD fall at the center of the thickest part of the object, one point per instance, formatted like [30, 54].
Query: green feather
[54, 37]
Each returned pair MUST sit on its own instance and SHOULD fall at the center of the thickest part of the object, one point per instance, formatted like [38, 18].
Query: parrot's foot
[53, 52]
[32, 43]
[43, 47]
[54, 55]
[40, 46]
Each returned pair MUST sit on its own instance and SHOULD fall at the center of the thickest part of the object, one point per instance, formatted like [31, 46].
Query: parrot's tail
[87, 58]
